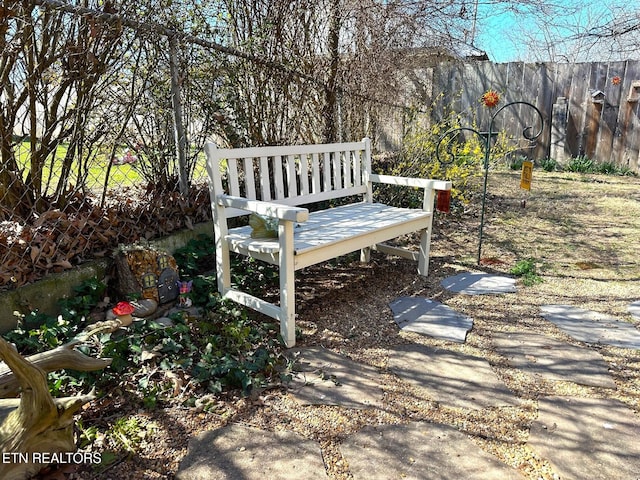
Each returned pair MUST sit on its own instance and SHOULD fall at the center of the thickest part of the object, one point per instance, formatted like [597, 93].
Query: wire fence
[105, 116]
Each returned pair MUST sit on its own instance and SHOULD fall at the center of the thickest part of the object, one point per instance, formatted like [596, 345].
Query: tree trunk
[331, 98]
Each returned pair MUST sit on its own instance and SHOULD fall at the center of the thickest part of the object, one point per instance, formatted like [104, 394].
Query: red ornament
[616, 80]
[123, 308]
[490, 98]
[443, 201]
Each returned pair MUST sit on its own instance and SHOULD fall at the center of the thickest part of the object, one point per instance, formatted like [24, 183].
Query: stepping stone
[479, 284]
[588, 438]
[430, 318]
[553, 359]
[451, 378]
[143, 308]
[634, 310]
[237, 451]
[592, 327]
[419, 451]
[324, 377]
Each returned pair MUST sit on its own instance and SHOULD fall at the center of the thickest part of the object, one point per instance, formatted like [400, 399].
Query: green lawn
[119, 176]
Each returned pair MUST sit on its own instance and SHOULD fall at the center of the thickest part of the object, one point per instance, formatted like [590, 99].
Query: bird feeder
[443, 201]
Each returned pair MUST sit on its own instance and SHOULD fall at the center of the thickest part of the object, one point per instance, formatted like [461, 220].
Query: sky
[497, 33]
[492, 38]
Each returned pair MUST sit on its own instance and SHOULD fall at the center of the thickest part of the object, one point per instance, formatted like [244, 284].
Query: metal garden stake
[485, 141]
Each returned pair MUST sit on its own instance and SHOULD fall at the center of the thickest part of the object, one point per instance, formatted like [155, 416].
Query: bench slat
[234, 185]
[292, 187]
[265, 182]
[304, 175]
[357, 168]
[330, 226]
[315, 173]
[278, 179]
[249, 179]
[327, 171]
[337, 171]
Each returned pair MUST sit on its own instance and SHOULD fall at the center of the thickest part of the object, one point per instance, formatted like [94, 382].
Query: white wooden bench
[274, 181]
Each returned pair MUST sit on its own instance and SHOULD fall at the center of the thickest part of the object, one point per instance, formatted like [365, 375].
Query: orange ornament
[490, 98]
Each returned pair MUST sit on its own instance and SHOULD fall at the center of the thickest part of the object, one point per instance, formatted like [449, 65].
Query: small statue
[184, 298]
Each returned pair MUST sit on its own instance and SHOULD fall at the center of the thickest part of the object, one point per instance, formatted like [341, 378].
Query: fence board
[606, 130]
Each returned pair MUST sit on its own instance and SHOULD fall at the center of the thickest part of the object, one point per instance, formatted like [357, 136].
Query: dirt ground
[582, 231]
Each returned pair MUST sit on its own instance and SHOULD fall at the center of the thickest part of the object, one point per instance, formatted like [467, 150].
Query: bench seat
[333, 232]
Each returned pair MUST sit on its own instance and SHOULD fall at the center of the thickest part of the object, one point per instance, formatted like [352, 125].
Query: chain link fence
[91, 102]
[109, 203]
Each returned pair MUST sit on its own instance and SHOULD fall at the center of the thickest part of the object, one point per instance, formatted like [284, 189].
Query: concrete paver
[592, 327]
[324, 377]
[580, 437]
[451, 378]
[420, 450]
[553, 359]
[240, 452]
[479, 284]
[431, 318]
[588, 438]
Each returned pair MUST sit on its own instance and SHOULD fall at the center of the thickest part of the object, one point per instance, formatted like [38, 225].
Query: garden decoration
[36, 429]
[123, 312]
[146, 272]
[184, 298]
[526, 175]
[490, 99]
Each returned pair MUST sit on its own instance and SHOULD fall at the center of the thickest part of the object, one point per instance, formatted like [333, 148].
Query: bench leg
[365, 255]
[223, 266]
[423, 258]
[287, 284]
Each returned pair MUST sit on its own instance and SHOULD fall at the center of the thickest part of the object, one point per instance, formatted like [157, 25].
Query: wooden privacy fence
[589, 109]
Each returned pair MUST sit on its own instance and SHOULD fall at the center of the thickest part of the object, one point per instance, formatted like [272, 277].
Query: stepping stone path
[326, 378]
[588, 438]
[553, 359]
[240, 452]
[580, 437]
[419, 451]
[479, 284]
[430, 318]
[450, 378]
[592, 327]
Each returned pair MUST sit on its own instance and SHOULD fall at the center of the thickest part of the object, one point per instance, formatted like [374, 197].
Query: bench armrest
[269, 209]
[411, 182]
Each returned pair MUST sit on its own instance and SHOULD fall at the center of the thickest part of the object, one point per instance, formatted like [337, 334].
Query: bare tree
[575, 31]
[52, 66]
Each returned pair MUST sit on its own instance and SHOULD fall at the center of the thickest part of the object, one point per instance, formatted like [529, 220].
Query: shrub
[550, 165]
[526, 270]
[461, 157]
[580, 164]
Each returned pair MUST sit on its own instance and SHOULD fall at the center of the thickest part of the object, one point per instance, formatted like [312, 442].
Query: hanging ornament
[525, 176]
[443, 201]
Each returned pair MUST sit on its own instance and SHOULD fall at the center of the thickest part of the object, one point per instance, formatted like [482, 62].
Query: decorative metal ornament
[485, 141]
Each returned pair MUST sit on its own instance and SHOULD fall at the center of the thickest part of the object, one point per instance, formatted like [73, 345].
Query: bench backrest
[290, 175]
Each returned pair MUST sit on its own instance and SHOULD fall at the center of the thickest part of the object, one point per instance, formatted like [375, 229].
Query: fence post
[559, 130]
[180, 136]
